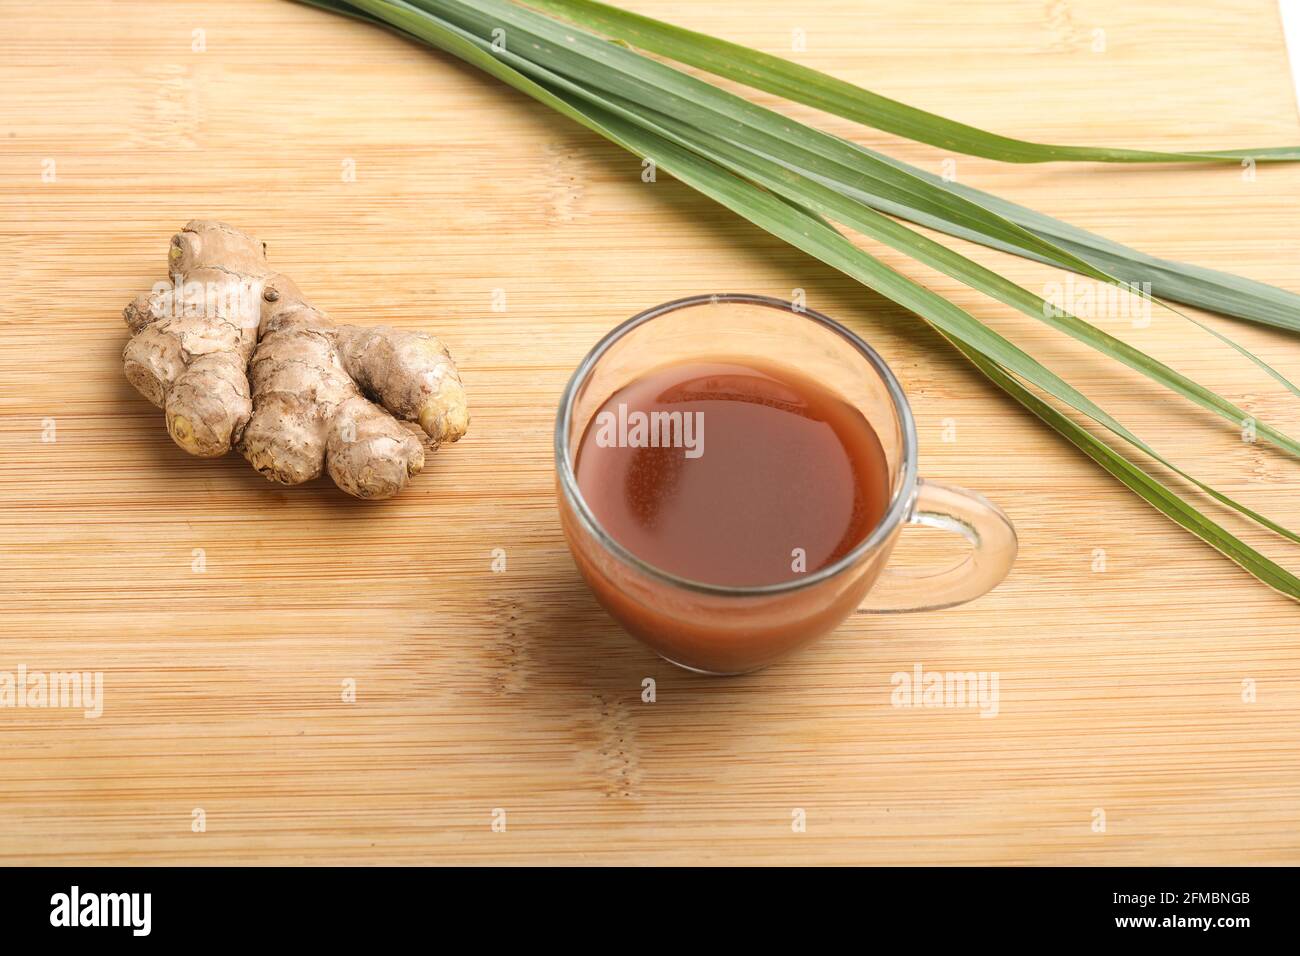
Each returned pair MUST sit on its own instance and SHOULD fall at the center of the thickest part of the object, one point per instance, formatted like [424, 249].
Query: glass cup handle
[975, 518]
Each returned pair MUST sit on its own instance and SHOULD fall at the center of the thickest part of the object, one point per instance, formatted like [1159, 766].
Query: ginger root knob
[238, 358]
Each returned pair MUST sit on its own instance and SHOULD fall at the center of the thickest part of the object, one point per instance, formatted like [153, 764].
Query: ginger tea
[729, 472]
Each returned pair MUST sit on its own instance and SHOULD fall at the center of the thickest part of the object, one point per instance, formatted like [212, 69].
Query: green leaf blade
[802, 84]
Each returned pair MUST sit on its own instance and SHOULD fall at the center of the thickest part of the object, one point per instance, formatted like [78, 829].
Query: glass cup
[715, 629]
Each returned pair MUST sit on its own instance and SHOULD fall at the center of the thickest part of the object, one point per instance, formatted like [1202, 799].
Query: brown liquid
[761, 461]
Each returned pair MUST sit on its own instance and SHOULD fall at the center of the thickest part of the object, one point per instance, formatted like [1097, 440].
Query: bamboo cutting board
[1145, 682]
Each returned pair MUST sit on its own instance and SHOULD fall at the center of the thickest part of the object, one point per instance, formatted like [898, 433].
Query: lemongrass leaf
[1184, 282]
[802, 84]
[1139, 482]
[593, 61]
[620, 72]
[863, 218]
[870, 195]
[1110, 261]
[585, 58]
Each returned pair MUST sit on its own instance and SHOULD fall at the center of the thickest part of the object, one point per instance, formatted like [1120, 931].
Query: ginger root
[237, 358]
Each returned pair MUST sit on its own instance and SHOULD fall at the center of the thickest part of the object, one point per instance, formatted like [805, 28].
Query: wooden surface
[1121, 690]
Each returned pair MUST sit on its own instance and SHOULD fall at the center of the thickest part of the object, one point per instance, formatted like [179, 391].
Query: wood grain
[1121, 690]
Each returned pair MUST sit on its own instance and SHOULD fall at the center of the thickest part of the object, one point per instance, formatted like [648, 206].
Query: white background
[1291, 24]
